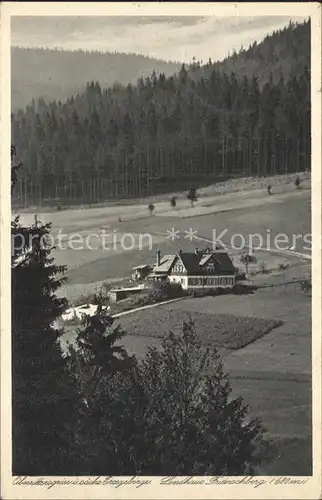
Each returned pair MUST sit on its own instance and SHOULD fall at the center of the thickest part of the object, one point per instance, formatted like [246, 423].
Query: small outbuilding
[141, 272]
[117, 294]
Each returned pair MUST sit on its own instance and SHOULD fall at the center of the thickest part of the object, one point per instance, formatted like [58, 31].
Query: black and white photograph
[162, 258]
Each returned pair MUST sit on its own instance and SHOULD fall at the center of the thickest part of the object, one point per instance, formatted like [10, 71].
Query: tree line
[136, 140]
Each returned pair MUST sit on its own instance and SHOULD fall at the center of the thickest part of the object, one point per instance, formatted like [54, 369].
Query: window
[195, 281]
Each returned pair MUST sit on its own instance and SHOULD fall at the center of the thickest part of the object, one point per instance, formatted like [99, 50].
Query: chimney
[158, 257]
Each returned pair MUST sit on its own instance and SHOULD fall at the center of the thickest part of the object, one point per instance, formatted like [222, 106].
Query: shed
[140, 272]
[117, 294]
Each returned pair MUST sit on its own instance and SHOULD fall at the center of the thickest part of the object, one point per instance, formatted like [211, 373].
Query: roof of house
[142, 266]
[165, 264]
[158, 275]
[127, 289]
[224, 261]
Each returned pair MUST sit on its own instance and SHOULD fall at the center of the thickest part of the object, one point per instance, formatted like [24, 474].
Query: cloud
[178, 38]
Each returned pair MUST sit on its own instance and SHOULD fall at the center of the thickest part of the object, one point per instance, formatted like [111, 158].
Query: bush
[192, 195]
[283, 267]
[163, 290]
[132, 302]
[240, 276]
[306, 286]
[151, 208]
[263, 269]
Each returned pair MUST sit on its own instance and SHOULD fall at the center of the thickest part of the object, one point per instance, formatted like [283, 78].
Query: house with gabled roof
[198, 270]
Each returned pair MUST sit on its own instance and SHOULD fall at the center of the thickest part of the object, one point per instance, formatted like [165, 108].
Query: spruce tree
[97, 364]
[42, 394]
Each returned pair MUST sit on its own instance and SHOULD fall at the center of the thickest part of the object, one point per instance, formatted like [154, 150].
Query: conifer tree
[42, 395]
[97, 364]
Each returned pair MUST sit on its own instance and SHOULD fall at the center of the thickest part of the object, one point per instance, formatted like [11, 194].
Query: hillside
[165, 133]
[58, 74]
[284, 53]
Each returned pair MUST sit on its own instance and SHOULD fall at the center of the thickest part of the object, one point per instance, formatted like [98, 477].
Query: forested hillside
[137, 140]
[285, 54]
[58, 74]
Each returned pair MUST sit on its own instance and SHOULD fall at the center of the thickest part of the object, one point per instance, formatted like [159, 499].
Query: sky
[178, 38]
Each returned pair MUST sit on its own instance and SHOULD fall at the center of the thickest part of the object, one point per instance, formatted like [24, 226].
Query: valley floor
[273, 373]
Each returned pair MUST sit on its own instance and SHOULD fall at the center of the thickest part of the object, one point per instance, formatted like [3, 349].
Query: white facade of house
[182, 280]
[203, 282]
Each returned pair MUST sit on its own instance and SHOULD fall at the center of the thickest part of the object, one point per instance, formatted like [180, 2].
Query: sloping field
[280, 183]
[223, 331]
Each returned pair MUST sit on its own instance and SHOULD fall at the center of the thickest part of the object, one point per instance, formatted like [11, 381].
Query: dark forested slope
[136, 140]
[58, 74]
[284, 53]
